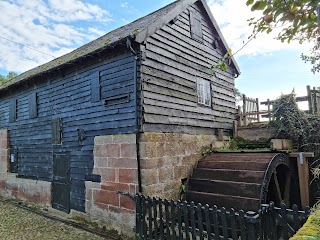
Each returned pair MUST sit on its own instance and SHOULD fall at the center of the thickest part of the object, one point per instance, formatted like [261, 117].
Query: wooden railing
[168, 219]
[250, 111]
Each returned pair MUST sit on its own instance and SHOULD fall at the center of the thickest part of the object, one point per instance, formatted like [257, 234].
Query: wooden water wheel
[244, 180]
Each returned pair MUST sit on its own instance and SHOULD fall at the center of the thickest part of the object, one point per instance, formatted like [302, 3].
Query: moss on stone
[311, 229]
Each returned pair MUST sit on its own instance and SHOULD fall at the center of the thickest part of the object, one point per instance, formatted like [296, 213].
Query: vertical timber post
[269, 109]
[258, 115]
[303, 171]
[239, 116]
[310, 103]
[244, 109]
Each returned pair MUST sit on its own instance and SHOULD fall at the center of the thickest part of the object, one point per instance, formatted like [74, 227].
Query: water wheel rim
[279, 161]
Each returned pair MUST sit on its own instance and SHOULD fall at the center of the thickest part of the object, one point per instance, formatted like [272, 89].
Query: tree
[4, 79]
[297, 20]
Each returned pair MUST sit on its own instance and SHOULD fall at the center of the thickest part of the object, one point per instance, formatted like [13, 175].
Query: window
[13, 110]
[95, 87]
[56, 129]
[195, 26]
[204, 92]
[33, 111]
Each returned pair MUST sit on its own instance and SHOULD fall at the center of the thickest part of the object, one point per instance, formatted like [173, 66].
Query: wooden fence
[250, 111]
[163, 219]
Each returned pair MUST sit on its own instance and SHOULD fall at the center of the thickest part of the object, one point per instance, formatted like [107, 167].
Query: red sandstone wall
[115, 159]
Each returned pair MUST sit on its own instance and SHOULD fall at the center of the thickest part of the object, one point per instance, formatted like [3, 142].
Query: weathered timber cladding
[33, 112]
[175, 59]
[70, 99]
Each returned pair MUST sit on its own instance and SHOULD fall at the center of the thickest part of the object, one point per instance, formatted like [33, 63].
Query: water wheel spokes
[282, 187]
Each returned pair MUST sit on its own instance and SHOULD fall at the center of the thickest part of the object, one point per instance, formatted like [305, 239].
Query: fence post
[240, 116]
[269, 109]
[284, 222]
[244, 109]
[138, 216]
[310, 102]
[258, 114]
[235, 129]
[251, 220]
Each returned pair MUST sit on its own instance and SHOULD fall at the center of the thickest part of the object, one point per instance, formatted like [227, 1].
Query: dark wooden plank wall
[69, 98]
[173, 63]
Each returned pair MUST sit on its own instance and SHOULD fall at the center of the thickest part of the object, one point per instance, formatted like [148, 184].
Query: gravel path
[17, 223]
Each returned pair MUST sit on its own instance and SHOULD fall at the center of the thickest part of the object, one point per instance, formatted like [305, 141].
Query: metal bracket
[130, 195]
[301, 158]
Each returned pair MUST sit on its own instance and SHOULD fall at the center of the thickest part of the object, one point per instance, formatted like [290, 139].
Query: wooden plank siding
[69, 98]
[174, 62]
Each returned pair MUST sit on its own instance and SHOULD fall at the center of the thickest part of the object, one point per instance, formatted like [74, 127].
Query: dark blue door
[61, 182]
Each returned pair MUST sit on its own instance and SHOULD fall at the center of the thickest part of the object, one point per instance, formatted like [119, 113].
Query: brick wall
[4, 155]
[166, 158]
[32, 191]
[116, 162]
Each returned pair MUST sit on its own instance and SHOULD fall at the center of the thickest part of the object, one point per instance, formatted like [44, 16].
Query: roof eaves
[16, 79]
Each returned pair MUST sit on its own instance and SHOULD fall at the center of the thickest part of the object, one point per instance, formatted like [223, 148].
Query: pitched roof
[141, 28]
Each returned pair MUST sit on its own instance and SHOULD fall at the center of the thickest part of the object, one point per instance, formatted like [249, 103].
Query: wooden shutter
[13, 110]
[195, 25]
[95, 87]
[56, 131]
[33, 111]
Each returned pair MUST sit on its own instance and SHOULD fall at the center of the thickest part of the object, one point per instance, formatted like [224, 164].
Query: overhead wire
[24, 45]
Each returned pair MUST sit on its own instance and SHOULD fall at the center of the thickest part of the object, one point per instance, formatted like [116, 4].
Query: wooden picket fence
[251, 112]
[167, 219]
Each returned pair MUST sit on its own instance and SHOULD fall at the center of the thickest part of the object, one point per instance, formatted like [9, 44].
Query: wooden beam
[303, 171]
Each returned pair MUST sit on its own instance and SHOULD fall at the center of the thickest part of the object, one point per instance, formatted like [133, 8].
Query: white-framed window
[204, 92]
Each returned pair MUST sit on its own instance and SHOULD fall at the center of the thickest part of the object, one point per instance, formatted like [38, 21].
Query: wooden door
[61, 182]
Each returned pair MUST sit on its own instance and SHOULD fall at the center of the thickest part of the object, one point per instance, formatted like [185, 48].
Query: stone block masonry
[115, 160]
[33, 191]
[256, 132]
[167, 158]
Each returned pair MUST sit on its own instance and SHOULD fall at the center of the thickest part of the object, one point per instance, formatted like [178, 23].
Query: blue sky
[56, 27]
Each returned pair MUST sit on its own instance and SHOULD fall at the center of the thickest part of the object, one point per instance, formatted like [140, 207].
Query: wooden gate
[61, 182]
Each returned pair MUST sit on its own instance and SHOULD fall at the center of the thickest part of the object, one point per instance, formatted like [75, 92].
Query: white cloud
[232, 16]
[96, 31]
[74, 10]
[124, 5]
[50, 27]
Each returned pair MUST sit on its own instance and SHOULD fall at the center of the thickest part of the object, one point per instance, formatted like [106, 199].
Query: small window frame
[196, 26]
[204, 92]
[13, 110]
[56, 129]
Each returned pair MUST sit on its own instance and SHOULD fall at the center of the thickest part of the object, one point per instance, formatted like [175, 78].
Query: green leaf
[259, 5]
[313, 16]
[223, 66]
[267, 10]
[249, 2]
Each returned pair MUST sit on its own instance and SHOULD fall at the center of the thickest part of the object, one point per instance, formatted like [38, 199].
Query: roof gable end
[175, 12]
